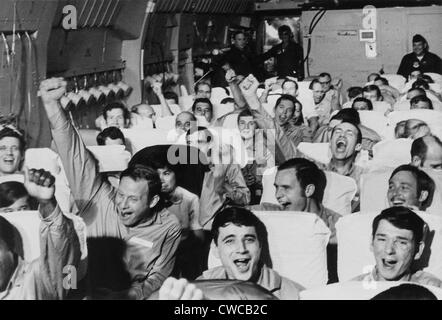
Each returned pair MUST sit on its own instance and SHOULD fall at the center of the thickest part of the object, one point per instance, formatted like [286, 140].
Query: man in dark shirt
[289, 55]
[420, 59]
[239, 57]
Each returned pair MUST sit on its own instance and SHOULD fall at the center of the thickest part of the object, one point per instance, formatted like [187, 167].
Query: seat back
[375, 121]
[165, 123]
[395, 80]
[111, 158]
[392, 153]
[297, 245]
[138, 139]
[381, 106]
[432, 118]
[316, 151]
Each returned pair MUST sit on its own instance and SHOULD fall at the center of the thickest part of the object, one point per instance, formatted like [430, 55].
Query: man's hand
[174, 289]
[156, 87]
[40, 184]
[269, 83]
[230, 76]
[51, 90]
[249, 85]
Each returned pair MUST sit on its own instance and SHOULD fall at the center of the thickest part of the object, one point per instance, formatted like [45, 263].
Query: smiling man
[129, 217]
[12, 150]
[397, 241]
[239, 237]
[410, 187]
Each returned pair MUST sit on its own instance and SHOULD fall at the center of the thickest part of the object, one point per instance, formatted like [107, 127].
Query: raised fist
[249, 85]
[40, 184]
[230, 76]
[51, 90]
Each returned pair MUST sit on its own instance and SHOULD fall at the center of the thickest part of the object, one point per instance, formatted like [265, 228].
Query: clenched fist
[40, 184]
[51, 90]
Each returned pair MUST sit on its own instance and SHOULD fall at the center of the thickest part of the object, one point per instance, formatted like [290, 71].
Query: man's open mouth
[341, 145]
[242, 264]
[389, 263]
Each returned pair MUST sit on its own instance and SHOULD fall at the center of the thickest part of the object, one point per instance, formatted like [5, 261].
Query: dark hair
[202, 100]
[420, 83]
[286, 97]
[237, 32]
[8, 132]
[227, 100]
[239, 217]
[11, 191]
[284, 28]
[372, 87]
[423, 181]
[245, 113]
[361, 99]
[354, 92]
[116, 105]
[383, 80]
[372, 74]
[200, 84]
[402, 218]
[419, 147]
[324, 74]
[111, 133]
[421, 91]
[140, 172]
[171, 95]
[419, 38]
[406, 291]
[359, 137]
[307, 172]
[427, 78]
[348, 115]
[417, 99]
[7, 234]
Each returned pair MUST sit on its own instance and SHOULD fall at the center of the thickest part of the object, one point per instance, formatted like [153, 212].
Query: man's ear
[358, 147]
[423, 196]
[154, 201]
[310, 190]
[419, 251]
[416, 161]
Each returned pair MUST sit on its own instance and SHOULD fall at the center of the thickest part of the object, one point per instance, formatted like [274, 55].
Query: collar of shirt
[349, 172]
[16, 279]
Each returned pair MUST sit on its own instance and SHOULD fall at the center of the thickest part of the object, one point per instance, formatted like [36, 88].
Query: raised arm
[166, 111]
[232, 80]
[79, 164]
[59, 243]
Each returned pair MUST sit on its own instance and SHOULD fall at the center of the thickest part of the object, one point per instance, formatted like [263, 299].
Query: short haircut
[359, 137]
[372, 87]
[284, 28]
[111, 133]
[353, 92]
[406, 291]
[140, 172]
[239, 217]
[227, 100]
[170, 95]
[200, 84]
[417, 99]
[187, 112]
[361, 99]
[423, 181]
[419, 147]
[286, 97]
[324, 74]
[116, 105]
[202, 100]
[427, 78]
[307, 172]
[419, 38]
[11, 191]
[420, 83]
[237, 32]
[348, 115]
[383, 80]
[14, 133]
[245, 113]
[402, 218]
